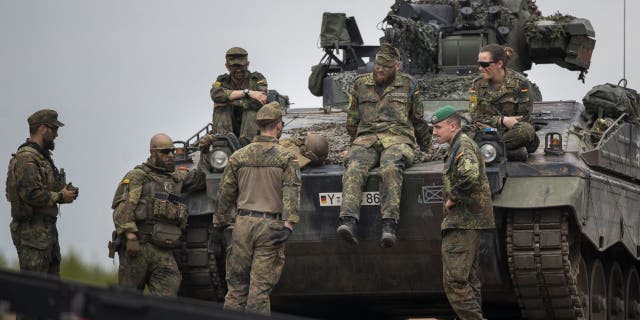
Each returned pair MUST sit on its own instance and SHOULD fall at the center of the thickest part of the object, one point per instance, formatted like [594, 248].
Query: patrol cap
[44, 116]
[387, 55]
[270, 112]
[236, 55]
[443, 113]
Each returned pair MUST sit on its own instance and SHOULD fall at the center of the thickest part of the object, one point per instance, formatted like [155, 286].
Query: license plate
[334, 199]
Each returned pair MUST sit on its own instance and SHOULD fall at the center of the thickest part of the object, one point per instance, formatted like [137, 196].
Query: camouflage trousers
[460, 250]
[360, 160]
[254, 264]
[233, 118]
[37, 246]
[153, 267]
[520, 135]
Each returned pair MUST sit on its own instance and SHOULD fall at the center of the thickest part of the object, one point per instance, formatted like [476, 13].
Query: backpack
[609, 100]
[318, 73]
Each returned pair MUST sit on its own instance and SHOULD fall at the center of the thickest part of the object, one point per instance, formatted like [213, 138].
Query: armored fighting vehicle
[567, 238]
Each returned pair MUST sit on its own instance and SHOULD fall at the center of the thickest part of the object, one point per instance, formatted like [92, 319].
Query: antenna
[624, 39]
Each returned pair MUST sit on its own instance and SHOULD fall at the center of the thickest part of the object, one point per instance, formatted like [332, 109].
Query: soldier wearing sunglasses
[150, 218]
[500, 98]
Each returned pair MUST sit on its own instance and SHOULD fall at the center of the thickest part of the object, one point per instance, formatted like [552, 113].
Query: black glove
[281, 236]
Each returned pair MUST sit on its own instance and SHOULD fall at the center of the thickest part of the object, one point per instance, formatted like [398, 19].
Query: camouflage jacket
[466, 183]
[394, 117]
[242, 182]
[223, 86]
[133, 199]
[487, 105]
[33, 182]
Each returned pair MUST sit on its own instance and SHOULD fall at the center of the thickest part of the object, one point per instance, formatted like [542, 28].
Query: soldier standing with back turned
[467, 212]
[150, 216]
[262, 181]
[35, 188]
[237, 96]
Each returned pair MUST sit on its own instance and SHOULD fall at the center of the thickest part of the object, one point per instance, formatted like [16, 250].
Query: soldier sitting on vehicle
[384, 119]
[237, 96]
[150, 216]
[500, 98]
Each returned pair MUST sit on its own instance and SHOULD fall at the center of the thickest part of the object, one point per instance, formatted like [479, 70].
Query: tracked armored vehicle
[567, 238]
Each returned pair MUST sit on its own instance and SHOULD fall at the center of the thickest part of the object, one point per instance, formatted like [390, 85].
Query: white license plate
[334, 199]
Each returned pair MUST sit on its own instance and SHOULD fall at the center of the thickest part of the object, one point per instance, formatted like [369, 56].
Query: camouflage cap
[387, 55]
[44, 116]
[270, 112]
[442, 113]
[236, 55]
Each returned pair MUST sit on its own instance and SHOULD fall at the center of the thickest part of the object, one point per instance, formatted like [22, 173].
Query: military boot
[388, 239]
[519, 154]
[534, 145]
[347, 230]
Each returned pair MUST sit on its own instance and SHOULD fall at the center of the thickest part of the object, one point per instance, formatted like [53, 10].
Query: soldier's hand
[68, 195]
[509, 122]
[449, 204]
[205, 143]
[133, 244]
[281, 236]
[259, 96]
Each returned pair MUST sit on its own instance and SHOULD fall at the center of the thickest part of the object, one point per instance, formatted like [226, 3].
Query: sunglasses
[485, 64]
[166, 150]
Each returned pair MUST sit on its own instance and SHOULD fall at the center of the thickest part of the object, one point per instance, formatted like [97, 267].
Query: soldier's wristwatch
[246, 93]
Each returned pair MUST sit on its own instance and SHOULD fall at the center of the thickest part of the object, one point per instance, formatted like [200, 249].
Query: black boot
[388, 239]
[347, 230]
[534, 145]
[519, 154]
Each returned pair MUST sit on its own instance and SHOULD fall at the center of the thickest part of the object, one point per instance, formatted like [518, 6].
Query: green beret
[236, 55]
[443, 113]
[270, 112]
[45, 116]
[387, 55]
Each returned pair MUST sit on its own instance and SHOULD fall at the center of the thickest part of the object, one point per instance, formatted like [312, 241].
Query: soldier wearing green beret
[385, 121]
[35, 188]
[237, 96]
[262, 180]
[467, 213]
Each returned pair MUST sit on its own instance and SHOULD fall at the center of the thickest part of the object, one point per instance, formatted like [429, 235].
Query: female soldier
[500, 99]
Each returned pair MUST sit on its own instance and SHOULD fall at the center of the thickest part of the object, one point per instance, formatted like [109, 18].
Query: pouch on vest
[166, 235]
[175, 213]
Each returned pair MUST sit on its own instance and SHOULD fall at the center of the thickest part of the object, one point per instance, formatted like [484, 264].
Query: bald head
[160, 141]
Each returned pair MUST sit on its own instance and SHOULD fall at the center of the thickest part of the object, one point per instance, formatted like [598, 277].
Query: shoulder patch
[524, 90]
[216, 84]
[125, 181]
[262, 81]
[183, 168]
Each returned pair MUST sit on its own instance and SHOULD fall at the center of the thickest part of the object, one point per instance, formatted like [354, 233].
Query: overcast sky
[119, 71]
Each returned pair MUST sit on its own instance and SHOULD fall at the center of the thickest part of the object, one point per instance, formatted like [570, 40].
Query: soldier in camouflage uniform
[262, 180]
[384, 119]
[500, 98]
[237, 96]
[35, 188]
[150, 216]
[467, 212]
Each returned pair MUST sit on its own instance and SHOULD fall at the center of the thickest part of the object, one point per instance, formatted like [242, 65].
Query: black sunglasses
[485, 64]
[167, 150]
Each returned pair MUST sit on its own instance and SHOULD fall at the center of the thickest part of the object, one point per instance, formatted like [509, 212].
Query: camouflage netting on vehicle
[346, 80]
[535, 27]
[339, 141]
[445, 88]
[416, 41]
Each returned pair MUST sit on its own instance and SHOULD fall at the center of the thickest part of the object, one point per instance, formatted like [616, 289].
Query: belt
[258, 214]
